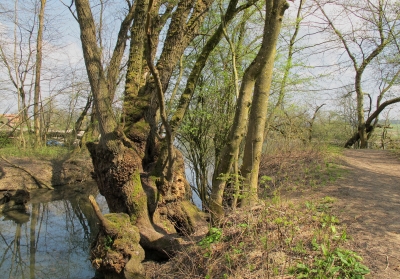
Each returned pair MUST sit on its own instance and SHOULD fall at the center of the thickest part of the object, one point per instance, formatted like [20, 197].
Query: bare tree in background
[365, 30]
[38, 68]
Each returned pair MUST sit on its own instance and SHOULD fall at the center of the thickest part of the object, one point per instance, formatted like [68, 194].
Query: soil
[56, 172]
[368, 203]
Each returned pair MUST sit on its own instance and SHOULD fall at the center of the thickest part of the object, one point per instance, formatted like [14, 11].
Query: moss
[160, 165]
[128, 238]
[141, 127]
[137, 183]
[154, 178]
[135, 108]
[194, 216]
[190, 208]
[152, 195]
[138, 197]
[120, 245]
[118, 220]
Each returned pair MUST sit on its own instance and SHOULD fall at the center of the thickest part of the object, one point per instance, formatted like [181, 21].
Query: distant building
[9, 119]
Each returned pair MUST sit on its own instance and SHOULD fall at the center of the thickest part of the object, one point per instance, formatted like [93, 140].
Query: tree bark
[287, 69]
[275, 10]
[258, 114]
[36, 97]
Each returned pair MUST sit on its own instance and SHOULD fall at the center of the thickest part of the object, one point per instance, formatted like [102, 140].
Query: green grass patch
[45, 152]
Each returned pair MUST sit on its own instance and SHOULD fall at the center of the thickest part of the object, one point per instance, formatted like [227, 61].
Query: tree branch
[160, 94]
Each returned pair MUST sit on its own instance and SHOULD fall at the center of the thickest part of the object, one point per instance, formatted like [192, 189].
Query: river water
[52, 238]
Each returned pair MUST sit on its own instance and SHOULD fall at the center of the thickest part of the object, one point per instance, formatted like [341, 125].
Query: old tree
[137, 168]
[367, 33]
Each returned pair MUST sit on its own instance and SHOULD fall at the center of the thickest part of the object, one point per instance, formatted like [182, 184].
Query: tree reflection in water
[53, 239]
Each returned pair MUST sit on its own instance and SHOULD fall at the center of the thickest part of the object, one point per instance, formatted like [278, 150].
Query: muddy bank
[24, 173]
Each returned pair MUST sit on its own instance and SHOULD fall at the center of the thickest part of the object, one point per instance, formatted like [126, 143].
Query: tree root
[116, 251]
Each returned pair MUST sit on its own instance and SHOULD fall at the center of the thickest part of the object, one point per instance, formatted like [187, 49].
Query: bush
[4, 140]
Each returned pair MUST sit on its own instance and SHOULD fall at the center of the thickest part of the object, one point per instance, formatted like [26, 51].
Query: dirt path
[368, 202]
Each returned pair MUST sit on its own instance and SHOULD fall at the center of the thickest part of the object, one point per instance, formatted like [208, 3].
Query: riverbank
[33, 172]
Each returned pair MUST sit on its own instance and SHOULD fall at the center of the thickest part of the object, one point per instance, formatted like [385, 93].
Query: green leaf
[324, 250]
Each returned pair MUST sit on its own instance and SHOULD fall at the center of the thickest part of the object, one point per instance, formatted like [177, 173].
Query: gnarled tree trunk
[130, 160]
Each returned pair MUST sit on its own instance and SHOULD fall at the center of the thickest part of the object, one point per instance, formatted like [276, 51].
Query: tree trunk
[83, 114]
[362, 129]
[275, 10]
[130, 159]
[258, 114]
[368, 127]
[36, 97]
[286, 71]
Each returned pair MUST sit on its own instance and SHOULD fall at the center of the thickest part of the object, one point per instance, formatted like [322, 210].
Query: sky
[61, 49]
[63, 55]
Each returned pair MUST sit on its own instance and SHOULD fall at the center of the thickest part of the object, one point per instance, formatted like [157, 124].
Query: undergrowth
[299, 169]
[275, 239]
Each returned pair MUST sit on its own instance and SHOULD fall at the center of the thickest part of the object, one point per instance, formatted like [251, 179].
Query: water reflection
[52, 239]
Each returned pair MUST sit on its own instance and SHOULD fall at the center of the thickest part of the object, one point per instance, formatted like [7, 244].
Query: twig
[391, 256]
[37, 180]
[387, 262]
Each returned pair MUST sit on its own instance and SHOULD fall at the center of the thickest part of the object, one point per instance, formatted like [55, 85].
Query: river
[52, 238]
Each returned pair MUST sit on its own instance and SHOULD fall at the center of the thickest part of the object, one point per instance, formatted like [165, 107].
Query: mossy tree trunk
[258, 115]
[130, 160]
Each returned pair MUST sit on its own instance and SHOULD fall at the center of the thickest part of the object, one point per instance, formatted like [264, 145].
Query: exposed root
[116, 250]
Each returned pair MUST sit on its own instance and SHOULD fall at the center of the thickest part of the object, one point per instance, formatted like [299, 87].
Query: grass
[44, 152]
[13, 147]
[274, 239]
[299, 169]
